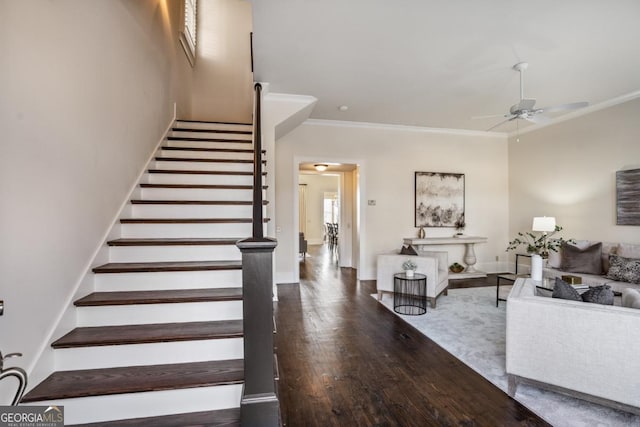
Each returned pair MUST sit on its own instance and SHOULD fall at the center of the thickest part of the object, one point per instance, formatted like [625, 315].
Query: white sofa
[431, 263]
[554, 269]
[590, 351]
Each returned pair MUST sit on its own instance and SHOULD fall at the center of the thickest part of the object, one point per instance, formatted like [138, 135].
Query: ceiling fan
[525, 109]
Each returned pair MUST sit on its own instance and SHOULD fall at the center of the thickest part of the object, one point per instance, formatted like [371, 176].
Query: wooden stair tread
[213, 150]
[149, 333]
[135, 379]
[203, 160]
[198, 172]
[188, 220]
[191, 139]
[194, 202]
[211, 122]
[176, 241]
[168, 296]
[183, 129]
[148, 267]
[220, 418]
[202, 186]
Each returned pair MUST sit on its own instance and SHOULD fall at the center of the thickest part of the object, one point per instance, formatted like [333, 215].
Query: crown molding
[579, 113]
[385, 126]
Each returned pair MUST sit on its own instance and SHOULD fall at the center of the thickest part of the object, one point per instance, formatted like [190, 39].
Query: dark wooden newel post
[259, 405]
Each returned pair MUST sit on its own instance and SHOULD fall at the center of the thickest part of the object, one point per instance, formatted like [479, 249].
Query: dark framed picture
[439, 199]
[628, 197]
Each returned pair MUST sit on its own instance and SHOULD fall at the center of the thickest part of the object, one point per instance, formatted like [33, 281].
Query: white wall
[87, 90]
[222, 75]
[388, 157]
[568, 171]
[316, 186]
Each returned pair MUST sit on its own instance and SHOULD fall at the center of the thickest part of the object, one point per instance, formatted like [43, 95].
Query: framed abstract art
[439, 199]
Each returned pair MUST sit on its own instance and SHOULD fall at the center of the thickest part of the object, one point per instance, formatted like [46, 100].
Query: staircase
[160, 341]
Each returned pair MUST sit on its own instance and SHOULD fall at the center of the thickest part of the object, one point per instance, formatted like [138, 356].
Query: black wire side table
[410, 294]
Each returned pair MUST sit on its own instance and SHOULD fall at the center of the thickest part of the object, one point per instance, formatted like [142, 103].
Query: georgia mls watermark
[31, 416]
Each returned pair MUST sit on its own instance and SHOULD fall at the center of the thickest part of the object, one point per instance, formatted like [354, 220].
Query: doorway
[328, 210]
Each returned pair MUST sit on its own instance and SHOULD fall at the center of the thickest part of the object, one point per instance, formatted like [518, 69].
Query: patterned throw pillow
[602, 294]
[624, 269]
[563, 290]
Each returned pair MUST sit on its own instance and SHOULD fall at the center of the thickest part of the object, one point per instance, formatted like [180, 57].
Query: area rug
[468, 325]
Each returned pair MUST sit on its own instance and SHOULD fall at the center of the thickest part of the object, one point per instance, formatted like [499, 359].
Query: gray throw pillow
[563, 290]
[602, 294]
[587, 260]
[624, 269]
[408, 250]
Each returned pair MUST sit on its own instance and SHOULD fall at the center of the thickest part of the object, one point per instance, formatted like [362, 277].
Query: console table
[469, 253]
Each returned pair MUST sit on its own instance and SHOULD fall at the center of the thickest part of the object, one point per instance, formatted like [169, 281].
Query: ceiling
[437, 63]
[331, 168]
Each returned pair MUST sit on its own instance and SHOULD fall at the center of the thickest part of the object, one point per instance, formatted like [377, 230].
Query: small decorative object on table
[572, 280]
[456, 268]
[460, 225]
[421, 233]
[409, 267]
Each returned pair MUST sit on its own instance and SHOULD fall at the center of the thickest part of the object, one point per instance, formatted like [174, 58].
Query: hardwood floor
[347, 361]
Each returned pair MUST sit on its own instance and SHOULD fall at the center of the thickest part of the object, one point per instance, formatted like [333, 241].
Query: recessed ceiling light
[343, 108]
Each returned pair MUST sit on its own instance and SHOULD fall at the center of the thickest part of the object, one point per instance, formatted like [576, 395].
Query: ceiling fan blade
[501, 123]
[524, 104]
[539, 120]
[490, 116]
[565, 107]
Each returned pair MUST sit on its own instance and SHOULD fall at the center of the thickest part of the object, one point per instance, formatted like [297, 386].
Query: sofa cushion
[563, 290]
[599, 294]
[587, 260]
[624, 269]
[609, 249]
[628, 250]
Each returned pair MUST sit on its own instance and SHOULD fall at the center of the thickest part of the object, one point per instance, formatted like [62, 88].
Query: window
[188, 35]
[331, 207]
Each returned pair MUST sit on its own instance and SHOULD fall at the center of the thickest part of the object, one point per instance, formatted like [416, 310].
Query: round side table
[410, 294]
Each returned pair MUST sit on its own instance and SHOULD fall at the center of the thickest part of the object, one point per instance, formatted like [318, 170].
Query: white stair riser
[178, 211]
[214, 126]
[210, 135]
[186, 230]
[204, 166]
[208, 144]
[207, 154]
[173, 253]
[197, 194]
[148, 404]
[172, 178]
[145, 314]
[114, 356]
[168, 280]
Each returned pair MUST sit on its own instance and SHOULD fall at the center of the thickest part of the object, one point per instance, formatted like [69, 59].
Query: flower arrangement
[409, 265]
[539, 244]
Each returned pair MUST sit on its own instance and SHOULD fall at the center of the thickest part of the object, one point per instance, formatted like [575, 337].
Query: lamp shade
[543, 223]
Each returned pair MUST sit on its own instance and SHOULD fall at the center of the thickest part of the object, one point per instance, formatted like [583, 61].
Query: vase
[536, 267]
[408, 273]
[421, 233]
